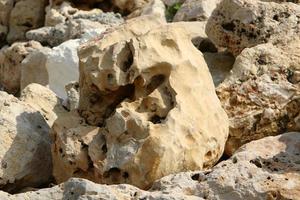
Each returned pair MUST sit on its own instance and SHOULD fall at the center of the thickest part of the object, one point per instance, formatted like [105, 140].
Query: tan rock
[238, 24]
[11, 64]
[44, 100]
[25, 145]
[5, 9]
[152, 96]
[262, 94]
[26, 15]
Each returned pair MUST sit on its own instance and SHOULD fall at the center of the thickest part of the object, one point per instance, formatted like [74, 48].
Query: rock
[195, 10]
[238, 24]
[219, 64]
[262, 94]
[25, 145]
[136, 123]
[43, 100]
[154, 7]
[26, 15]
[128, 6]
[72, 90]
[5, 9]
[11, 64]
[263, 169]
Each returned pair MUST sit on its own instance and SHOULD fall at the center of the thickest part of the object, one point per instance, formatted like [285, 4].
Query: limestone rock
[195, 10]
[26, 15]
[237, 24]
[72, 90]
[43, 100]
[154, 7]
[150, 106]
[263, 169]
[11, 64]
[25, 145]
[262, 94]
[5, 9]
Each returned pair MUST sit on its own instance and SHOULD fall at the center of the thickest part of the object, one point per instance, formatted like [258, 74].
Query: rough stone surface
[154, 7]
[264, 169]
[134, 85]
[237, 24]
[25, 145]
[72, 90]
[25, 15]
[5, 9]
[11, 58]
[195, 10]
[262, 94]
[43, 100]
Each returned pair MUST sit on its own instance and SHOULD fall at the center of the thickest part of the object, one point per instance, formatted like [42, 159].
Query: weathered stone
[25, 145]
[262, 94]
[72, 90]
[26, 15]
[237, 24]
[150, 104]
[43, 100]
[5, 9]
[154, 7]
[195, 10]
[11, 64]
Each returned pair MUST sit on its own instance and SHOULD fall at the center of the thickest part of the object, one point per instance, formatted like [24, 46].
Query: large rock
[195, 10]
[262, 94]
[11, 58]
[25, 153]
[264, 169]
[5, 8]
[26, 15]
[150, 104]
[237, 24]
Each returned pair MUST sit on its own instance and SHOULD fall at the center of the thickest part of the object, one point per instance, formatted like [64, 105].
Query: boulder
[25, 15]
[25, 153]
[195, 10]
[147, 108]
[11, 58]
[262, 94]
[238, 24]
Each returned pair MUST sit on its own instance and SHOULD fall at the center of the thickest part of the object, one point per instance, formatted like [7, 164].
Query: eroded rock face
[11, 58]
[25, 15]
[262, 94]
[237, 24]
[148, 109]
[195, 10]
[25, 145]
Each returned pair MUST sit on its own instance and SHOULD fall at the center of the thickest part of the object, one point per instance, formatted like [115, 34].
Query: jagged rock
[264, 169]
[150, 104]
[11, 58]
[5, 9]
[43, 100]
[195, 10]
[262, 94]
[25, 153]
[26, 15]
[64, 22]
[219, 64]
[237, 24]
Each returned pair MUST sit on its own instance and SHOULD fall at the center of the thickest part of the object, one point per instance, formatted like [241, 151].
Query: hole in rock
[155, 82]
[114, 174]
[195, 177]
[126, 58]
[157, 119]
[205, 45]
[229, 26]
[125, 175]
[256, 162]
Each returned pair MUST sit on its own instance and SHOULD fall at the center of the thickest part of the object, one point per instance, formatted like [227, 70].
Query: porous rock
[237, 24]
[143, 110]
[262, 94]
[25, 145]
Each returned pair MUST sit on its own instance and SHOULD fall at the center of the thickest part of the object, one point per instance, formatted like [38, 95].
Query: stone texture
[43, 100]
[262, 94]
[5, 9]
[25, 145]
[154, 7]
[237, 24]
[264, 169]
[72, 90]
[195, 10]
[25, 15]
[11, 58]
[142, 95]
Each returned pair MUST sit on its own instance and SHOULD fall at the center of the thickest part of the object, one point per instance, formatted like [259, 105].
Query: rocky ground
[150, 99]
